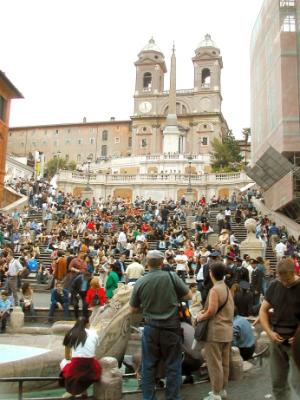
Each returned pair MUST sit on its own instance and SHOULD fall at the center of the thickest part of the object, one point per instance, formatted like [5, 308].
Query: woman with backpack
[95, 295]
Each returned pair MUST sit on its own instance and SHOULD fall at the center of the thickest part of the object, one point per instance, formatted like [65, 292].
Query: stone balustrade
[110, 179]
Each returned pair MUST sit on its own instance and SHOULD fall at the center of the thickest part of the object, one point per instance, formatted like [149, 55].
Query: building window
[45, 132]
[204, 141]
[144, 143]
[130, 141]
[55, 143]
[287, 3]
[69, 130]
[79, 141]
[92, 141]
[147, 81]
[144, 129]
[68, 141]
[56, 132]
[78, 157]
[117, 140]
[90, 156]
[289, 23]
[205, 78]
[2, 107]
[67, 157]
[104, 150]
[104, 135]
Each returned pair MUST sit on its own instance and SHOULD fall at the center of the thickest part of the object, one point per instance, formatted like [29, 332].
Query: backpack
[96, 300]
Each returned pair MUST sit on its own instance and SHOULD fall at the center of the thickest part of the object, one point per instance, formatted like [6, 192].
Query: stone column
[251, 245]
[110, 385]
[16, 319]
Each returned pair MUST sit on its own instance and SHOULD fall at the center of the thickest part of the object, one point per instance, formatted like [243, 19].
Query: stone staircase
[241, 234]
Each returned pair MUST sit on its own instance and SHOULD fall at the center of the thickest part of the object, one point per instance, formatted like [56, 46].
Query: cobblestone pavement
[255, 385]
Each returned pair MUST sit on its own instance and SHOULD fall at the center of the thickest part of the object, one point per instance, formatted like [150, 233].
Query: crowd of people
[96, 245]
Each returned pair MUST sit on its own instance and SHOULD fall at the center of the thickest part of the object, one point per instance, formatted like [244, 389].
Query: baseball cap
[156, 254]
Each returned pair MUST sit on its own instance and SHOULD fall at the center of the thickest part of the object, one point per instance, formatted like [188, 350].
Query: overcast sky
[75, 58]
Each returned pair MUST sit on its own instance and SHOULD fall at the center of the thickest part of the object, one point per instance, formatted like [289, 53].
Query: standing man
[283, 295]
[156, 295]
[14, 268]
[256, 285]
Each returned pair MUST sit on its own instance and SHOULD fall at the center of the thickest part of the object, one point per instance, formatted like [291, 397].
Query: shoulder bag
[202, 326]
[183, 310]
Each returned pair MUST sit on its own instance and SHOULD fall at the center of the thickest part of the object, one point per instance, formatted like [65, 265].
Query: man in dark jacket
[256, 281]
[60, 300]
[79, 288]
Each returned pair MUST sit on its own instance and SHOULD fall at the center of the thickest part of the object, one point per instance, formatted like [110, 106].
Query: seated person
[42, 275]
[95, 295]
[5, 306]
[243, 336]
[26, 300]
[60, 300]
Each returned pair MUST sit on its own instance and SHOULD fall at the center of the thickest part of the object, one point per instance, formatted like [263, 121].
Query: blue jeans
[161, 343]
[53, 306]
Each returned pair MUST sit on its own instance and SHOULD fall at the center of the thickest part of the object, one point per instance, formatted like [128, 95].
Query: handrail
[22, 379]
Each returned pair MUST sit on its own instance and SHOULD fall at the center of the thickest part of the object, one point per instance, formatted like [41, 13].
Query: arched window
[205, 78]
[147, 81]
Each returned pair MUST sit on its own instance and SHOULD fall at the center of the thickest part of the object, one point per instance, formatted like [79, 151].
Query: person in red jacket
[95, 295]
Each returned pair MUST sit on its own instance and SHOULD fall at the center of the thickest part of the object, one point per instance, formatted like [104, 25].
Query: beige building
[76, 142]
[198, 110]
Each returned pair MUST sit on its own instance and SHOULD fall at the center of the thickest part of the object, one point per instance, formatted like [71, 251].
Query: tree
[226, 155]
[55, 164]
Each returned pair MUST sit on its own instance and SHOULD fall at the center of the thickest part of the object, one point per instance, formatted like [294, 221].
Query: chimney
[84, 120]
[112, 118]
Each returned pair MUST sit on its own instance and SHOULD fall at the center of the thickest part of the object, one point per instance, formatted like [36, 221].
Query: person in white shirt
[122, 240]
[181, 261]
[14, 269]
[80, 368]
[134, 270]
[280, 249]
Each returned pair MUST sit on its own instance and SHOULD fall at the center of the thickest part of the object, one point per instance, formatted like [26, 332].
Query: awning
[248, 186]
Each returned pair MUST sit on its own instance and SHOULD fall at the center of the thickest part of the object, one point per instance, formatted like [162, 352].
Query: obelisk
[171, 132]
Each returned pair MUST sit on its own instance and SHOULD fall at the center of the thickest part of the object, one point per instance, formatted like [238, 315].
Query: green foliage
[226, 155]
[55, 164]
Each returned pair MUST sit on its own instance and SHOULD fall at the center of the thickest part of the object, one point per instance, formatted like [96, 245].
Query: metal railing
[21, 379]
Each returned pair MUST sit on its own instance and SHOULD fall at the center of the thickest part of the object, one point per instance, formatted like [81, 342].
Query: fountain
[40, 354]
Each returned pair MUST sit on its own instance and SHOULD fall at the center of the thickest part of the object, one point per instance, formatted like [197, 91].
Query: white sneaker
[223, 394]
[212, 396]
[67, 395]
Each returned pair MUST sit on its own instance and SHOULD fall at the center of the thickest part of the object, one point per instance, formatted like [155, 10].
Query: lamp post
[88, 188]
[57, 164]
[189, 190]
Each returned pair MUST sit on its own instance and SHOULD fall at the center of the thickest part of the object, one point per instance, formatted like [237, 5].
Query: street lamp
[57, 164]
[88, 188]
[189, 188]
